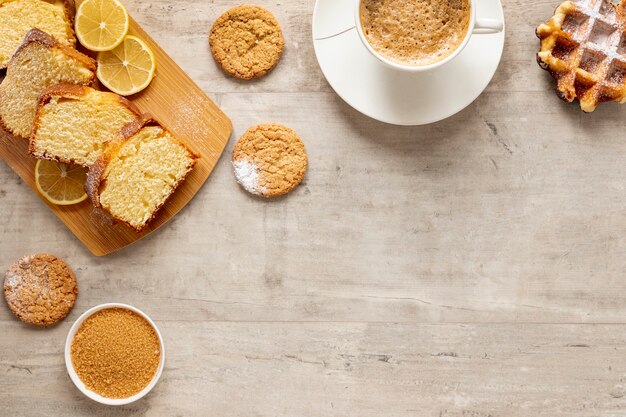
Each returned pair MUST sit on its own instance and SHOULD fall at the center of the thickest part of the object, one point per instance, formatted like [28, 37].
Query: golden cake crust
[269, 160]
[73, 91]
[95, 176]
[40, 289]
[36, 36]
[69, 8]
[70, 13]
[246, 41]
[42, 38]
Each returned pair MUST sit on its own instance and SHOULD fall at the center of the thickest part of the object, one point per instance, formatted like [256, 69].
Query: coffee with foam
[415, 32]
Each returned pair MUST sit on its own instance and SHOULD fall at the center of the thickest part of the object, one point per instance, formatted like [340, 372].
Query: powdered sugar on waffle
[602, 11]
[247, 174]
[583, 46]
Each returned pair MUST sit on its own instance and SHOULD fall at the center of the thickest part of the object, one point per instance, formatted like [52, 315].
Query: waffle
[583, 46]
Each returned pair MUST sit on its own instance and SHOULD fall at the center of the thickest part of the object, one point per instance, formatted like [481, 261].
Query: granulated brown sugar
[116, 353]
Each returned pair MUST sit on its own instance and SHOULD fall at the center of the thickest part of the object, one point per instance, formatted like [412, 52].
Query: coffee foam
[415, 32]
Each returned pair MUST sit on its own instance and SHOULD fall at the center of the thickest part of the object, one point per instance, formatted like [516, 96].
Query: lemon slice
[127, 69]
[101, 25]
[61, 184]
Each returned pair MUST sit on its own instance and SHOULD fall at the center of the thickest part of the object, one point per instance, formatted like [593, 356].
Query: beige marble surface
[470, 268]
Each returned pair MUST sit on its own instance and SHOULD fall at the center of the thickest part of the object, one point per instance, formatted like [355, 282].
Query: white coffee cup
[477, 26]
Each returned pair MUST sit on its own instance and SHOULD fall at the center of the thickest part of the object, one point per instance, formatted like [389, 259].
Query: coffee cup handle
[486, 26]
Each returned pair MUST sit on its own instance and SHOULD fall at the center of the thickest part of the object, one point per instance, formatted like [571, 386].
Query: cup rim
[415, 68]
[81, 385]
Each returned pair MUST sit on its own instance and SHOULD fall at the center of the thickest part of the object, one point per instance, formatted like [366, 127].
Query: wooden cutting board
[179, 105]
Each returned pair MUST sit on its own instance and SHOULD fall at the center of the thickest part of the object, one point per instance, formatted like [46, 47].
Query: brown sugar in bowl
[128, 336]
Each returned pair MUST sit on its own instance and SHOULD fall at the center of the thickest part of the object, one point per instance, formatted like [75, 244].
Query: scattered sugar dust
[12, 281]
[247, 175]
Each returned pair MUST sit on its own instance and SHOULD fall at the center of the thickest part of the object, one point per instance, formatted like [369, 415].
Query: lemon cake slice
[138, 172]
[72, 122]
[39, 62]
[17, 17]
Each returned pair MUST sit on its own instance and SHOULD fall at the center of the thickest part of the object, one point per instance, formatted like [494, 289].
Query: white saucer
[395, 97]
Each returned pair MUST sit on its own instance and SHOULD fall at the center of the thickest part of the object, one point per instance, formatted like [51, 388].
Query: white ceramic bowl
[81, 386]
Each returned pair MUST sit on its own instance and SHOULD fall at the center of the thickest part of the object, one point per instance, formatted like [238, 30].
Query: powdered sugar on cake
[247, 174]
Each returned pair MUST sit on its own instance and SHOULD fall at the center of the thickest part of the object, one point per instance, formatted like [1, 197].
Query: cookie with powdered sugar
[269, 160]
[40, 289]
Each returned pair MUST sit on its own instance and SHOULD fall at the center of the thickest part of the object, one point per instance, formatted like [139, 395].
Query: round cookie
[269, 160]
[246, 41]
[40, 289]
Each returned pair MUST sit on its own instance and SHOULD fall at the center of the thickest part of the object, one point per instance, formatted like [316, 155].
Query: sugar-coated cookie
[40, 289]
[269, 160]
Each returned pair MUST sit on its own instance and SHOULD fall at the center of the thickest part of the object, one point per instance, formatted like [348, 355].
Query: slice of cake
[17, 17]
[138, 172]
[72, 123]
[39, 62]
